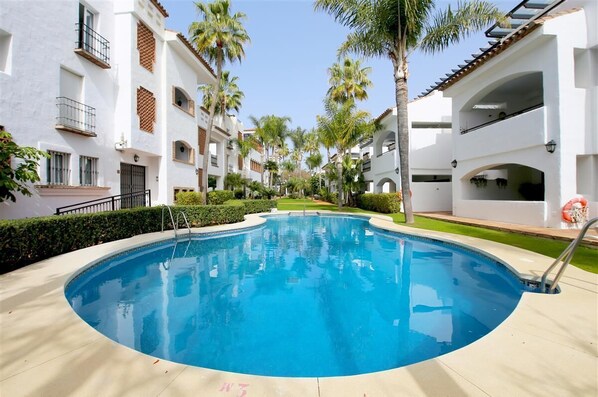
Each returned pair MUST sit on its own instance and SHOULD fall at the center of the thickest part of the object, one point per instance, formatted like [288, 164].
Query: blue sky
[284, 72]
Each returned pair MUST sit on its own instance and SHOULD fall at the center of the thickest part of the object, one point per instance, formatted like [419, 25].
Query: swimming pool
[300, 297]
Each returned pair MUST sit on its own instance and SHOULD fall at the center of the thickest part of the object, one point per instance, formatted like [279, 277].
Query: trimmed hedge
[219, 197]
[256, 206]
[386, 203]
[25, 241]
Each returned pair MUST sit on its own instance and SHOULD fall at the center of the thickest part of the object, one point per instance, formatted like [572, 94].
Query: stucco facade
[111, 93]
[429, 159]
[540, 88]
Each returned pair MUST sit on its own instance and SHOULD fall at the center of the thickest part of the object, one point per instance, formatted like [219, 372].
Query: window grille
[88, 171]
[58, 168]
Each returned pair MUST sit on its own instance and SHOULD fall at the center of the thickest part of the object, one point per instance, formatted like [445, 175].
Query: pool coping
[549, 344]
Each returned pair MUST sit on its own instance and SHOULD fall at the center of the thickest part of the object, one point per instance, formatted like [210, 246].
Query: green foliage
[386, 203]
[57, 235]
[268, 193]
[212, 182]
[329, 197]
[16, 179]
[256, 206]
[189, 198]
[218, 197]
[233, 181]
[239, 194]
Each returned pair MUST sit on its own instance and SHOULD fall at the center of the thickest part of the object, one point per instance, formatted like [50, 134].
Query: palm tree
[261, 138]
[395, 28]
[313, 162]
[348, 80]
[298, 137]
[345, 125]
[244, 147]
[220, 37]
[229, 97]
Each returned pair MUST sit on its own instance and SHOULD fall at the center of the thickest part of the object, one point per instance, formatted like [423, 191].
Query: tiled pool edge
[135, 373]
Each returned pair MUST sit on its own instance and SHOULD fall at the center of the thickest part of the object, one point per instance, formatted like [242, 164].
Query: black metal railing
[214, 160]
[92, 42]
[508, 116]
[367, 165]
[112, 203]
[75, 115]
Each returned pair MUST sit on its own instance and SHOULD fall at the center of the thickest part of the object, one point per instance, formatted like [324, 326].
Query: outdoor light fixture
[454, 163]
[197, 171]
[136, 158]
[550, 146]
[397, 170]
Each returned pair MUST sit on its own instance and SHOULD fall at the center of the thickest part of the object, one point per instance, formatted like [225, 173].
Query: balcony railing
[75, 117]
[508, 116]
[214, 160]
[367, 165]
[92, 46]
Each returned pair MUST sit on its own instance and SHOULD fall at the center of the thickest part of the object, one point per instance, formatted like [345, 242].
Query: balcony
[367, 165]
[520, 131]
[214, 160]
[75, 117]
[92, 46]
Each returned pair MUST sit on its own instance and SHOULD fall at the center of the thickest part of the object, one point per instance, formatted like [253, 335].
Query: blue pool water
[301, 297]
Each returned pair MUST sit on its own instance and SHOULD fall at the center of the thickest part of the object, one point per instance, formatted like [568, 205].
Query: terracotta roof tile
[160, 8]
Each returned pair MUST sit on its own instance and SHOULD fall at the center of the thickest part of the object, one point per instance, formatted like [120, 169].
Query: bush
[256, 206]
[219, 197]
[386, 203]
[329, 197]
[55, 235]
[189, 198]
[239, 194]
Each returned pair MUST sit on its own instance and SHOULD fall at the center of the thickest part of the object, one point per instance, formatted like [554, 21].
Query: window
[146, 109]
[182, 152]
[431, 178]
[146, 44]
[90, 44]
[88, 171]
[182, 100]
[5, 51]
[58, 172]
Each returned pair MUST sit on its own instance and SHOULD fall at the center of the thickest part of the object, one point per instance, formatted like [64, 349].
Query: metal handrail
[186, 221]
[174, 225]
[566, 257]
[110, 203]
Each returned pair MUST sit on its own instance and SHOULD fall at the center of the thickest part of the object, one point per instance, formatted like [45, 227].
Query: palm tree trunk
[403, 135]
[206, 154]
[339, 177]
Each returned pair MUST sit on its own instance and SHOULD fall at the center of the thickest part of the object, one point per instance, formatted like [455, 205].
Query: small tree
[16, 179]
[212, 182]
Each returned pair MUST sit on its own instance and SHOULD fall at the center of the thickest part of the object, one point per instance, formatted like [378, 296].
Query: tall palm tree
[348, 80]
[298, 137]
[244, 147]
[314, 162]
[219, 36]
[394, 29]
[260, 136]
[345, 125]
[229, 96]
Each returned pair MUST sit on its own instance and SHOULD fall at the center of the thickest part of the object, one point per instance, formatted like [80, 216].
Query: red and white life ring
[576, 203]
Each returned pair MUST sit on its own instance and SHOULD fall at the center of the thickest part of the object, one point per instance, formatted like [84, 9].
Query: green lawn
[585, 258]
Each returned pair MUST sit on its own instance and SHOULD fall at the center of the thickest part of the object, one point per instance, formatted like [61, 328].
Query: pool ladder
[175, 225]
[566, 257]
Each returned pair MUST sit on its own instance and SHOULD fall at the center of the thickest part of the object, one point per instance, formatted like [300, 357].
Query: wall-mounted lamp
[454, 163]
[397, 170]
[136, 158]
[197, 171]
[550, 146]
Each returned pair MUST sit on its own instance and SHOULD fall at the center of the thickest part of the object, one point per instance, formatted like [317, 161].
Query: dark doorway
[132, 180]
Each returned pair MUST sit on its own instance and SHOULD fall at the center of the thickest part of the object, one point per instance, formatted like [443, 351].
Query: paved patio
[548, 346]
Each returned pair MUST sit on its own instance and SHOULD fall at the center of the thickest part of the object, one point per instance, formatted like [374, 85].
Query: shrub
[218, 197]
[329, 197]
[255, 206]
[55, 235]
[189, 198]
[387, 203]
[239, 194]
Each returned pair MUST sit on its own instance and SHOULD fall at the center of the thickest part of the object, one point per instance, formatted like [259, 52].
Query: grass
[585, 258]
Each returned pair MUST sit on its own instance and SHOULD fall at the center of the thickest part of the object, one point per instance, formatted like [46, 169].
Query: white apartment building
[429, 158]
[110, 94]
[525, 117]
